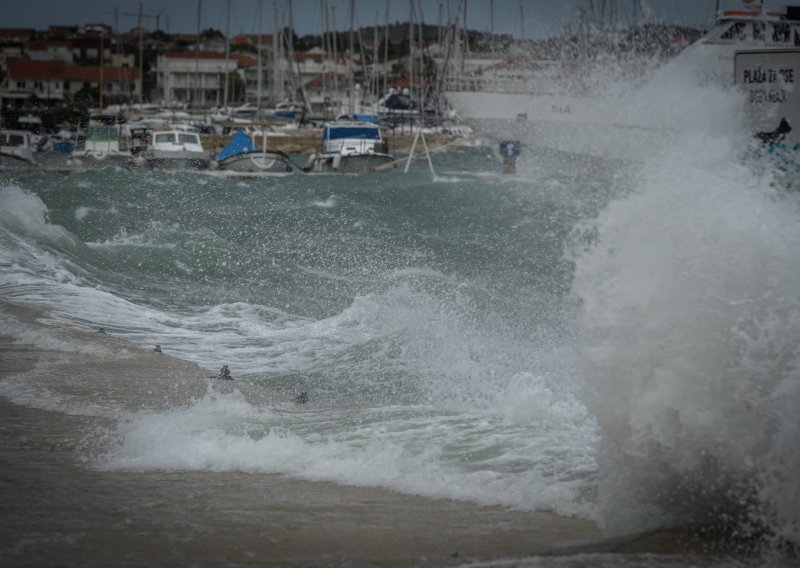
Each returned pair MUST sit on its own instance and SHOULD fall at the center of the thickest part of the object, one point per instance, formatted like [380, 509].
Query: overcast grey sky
[542, 18]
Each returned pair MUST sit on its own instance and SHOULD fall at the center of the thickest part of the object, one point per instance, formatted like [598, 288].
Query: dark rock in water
[301, 398]
[157, 349]
[101, 330]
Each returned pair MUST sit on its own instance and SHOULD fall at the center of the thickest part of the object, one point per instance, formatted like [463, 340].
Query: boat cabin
[349, 138]
[177, 140]
[16, 145]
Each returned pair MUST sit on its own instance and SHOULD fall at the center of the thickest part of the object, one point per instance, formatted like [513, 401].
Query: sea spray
[690, 333]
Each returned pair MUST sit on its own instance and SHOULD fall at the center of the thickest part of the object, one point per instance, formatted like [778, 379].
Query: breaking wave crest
[690, 331]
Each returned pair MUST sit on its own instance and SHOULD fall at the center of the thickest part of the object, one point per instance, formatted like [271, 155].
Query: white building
[196, 78]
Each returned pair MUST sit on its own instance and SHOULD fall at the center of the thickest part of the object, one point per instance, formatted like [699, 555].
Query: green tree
[211, 33]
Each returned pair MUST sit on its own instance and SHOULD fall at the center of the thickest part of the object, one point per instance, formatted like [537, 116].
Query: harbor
[464, 284]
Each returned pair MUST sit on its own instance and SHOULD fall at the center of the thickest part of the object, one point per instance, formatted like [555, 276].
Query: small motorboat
[16, 149]
[352, 147]
[175, 149]
[241, 157]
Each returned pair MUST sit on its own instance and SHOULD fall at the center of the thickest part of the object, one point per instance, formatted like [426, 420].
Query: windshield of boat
[336, 133]
[188, 139]
[164, 138]
[7, 139]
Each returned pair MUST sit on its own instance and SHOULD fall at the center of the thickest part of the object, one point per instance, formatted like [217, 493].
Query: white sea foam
[691, 340]
[327, 204]
[406, 449]
[143, 240]
[82, 212]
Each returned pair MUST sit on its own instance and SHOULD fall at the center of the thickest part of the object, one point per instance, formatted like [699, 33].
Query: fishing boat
[241, 157]
[562, 106]
[352, 147]
[16, 150]
[175, 149]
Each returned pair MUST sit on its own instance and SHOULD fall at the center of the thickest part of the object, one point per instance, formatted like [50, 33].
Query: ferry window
[797, 37]
[781, 33]
[163, 138]
[737, 30]
[758, 31]
[187, 139]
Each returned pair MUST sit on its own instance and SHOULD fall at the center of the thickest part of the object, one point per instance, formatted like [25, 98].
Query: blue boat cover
[240, 143]
[337, 132]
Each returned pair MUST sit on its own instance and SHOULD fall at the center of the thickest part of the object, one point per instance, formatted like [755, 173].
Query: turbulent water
[610, 341]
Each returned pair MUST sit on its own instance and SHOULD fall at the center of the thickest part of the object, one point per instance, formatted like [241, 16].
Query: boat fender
[213, 165]
[337, 161]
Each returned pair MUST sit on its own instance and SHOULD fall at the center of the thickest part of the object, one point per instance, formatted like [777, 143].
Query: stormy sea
[602, 351]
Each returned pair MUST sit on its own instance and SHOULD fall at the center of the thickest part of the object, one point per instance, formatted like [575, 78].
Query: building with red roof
[57, 80]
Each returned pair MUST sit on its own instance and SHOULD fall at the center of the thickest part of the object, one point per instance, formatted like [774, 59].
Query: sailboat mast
[277, 52]
[411, 49]
[335, 54]
[350, 73]
[491, 21]
[258, 60]
[227, 54]
[102, 52]
[374, 82]
[141, 58]
[386, 50]
[197, 56]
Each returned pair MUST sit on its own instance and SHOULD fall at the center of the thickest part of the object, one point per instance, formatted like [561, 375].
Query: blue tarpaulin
[239, 144]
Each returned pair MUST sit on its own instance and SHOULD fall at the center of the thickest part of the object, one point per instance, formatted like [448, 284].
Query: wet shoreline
[57, 509]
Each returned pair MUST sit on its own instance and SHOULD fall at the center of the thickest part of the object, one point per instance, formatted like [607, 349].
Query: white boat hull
[250, 164]
[354, 164]
[176, 161]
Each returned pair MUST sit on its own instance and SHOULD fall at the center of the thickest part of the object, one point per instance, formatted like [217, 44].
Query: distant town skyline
[535, 18]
